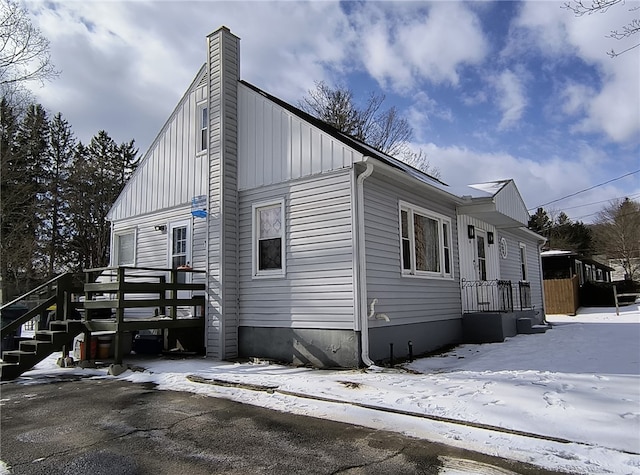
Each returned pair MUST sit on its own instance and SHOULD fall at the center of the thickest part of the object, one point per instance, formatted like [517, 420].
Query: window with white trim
[268, 239]
[203, 127]
[125, 248]
[523, 260]
[425, 242]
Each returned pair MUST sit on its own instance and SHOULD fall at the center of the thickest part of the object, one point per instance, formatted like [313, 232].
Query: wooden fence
[561, 296]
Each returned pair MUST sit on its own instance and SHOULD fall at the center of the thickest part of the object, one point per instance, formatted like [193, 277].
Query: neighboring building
[565, 274]
[566, 264]
[318, 249]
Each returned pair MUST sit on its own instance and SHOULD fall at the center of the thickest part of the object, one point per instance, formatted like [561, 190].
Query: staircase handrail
[31, 292]
[35, 311]
[40, 308]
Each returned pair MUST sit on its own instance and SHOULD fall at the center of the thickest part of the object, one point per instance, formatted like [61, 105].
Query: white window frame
[255, 231]
[116, 246]
[442, 220]
[202, 126]
[524, 268]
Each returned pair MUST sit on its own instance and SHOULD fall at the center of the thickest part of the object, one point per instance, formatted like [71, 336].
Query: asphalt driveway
[106, 426]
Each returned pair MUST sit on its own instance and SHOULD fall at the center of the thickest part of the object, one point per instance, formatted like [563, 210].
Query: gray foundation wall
[341, 348]
[424, 337]
[493, 327]
[315, 347]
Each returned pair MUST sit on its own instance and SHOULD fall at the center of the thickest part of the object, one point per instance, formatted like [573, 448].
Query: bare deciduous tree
[24, 52]
[589, 7]
[617, 233]
[385, 130]
[420, 160]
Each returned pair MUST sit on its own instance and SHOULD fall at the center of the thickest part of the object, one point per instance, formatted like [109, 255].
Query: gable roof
[496, 202]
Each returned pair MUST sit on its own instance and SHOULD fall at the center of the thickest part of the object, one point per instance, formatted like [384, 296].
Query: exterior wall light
[490, 237]
[471, 231]
[160, 227]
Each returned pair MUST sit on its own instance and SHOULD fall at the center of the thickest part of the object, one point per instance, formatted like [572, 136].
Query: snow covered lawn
[567, 400]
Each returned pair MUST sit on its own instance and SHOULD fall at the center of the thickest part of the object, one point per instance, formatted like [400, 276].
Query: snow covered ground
[566, 400]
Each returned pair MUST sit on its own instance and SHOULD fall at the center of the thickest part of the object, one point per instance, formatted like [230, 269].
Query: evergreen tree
[99, 174]
[25, 179]
[10, 195]
[55, 206]
[562, 233]
[540, 222]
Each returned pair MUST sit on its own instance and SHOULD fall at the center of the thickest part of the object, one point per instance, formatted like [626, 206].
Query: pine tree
[25, 178]
[55, 206]
[9, 195]
[99, 174]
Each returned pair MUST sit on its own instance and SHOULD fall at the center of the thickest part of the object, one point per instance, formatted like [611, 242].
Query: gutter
[362, 266]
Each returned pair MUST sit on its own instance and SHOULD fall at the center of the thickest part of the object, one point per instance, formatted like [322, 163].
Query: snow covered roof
[556, 253]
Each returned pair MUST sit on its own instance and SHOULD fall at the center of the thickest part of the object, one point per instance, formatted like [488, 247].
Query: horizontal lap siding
[405, 300]
[510, 267]
[317, 291]
[152, 247]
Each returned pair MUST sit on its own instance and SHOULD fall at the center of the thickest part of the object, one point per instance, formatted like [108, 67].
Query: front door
[483, 287]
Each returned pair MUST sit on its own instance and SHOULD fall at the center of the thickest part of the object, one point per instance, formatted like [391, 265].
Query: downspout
[362, 266]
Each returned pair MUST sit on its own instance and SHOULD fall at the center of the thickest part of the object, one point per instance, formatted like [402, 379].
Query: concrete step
[9, 371]
[525, 326]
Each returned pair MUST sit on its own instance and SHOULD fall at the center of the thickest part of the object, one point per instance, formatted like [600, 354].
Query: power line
[631, 197]
[586, 189]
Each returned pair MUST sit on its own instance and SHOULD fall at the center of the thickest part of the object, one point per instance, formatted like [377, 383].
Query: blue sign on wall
[199, 206]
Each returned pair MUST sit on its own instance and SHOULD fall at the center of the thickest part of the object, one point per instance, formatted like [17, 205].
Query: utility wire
[631, 197]
[586, 189]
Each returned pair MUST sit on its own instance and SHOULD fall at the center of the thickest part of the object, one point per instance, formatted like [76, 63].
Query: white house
[318, 249]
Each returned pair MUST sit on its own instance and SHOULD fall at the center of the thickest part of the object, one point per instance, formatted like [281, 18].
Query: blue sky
[493, 90]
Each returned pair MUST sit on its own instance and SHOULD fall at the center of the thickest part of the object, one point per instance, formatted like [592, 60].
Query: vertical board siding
[467, 249]
[509, 202]
[275, 146]
[168, 174]
[317, 290]
[405, 300]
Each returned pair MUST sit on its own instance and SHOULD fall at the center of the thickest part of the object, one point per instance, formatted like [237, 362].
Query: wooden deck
[162, 292]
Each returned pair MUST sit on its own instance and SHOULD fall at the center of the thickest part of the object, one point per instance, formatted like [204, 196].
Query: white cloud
[402, 47]
[510, 97]
[538, 181]
[125, 64]
[612, 109]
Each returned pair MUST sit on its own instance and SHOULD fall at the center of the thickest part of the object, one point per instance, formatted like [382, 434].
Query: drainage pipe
[362, 266]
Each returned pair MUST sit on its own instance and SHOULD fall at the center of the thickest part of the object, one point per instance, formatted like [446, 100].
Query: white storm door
[180, 250]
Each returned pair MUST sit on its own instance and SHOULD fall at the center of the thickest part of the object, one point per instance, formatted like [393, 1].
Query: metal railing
[494, 296]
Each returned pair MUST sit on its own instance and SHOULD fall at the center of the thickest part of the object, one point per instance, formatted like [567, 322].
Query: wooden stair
[44, 342]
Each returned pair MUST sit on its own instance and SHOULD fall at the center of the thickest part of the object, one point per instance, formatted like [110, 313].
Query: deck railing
[494, 296]
[120, 288]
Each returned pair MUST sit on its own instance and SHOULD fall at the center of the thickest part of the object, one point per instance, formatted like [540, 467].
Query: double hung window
[125, 248]
[268, 239]
[425, 242]
[523, 261]
[203, 127]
